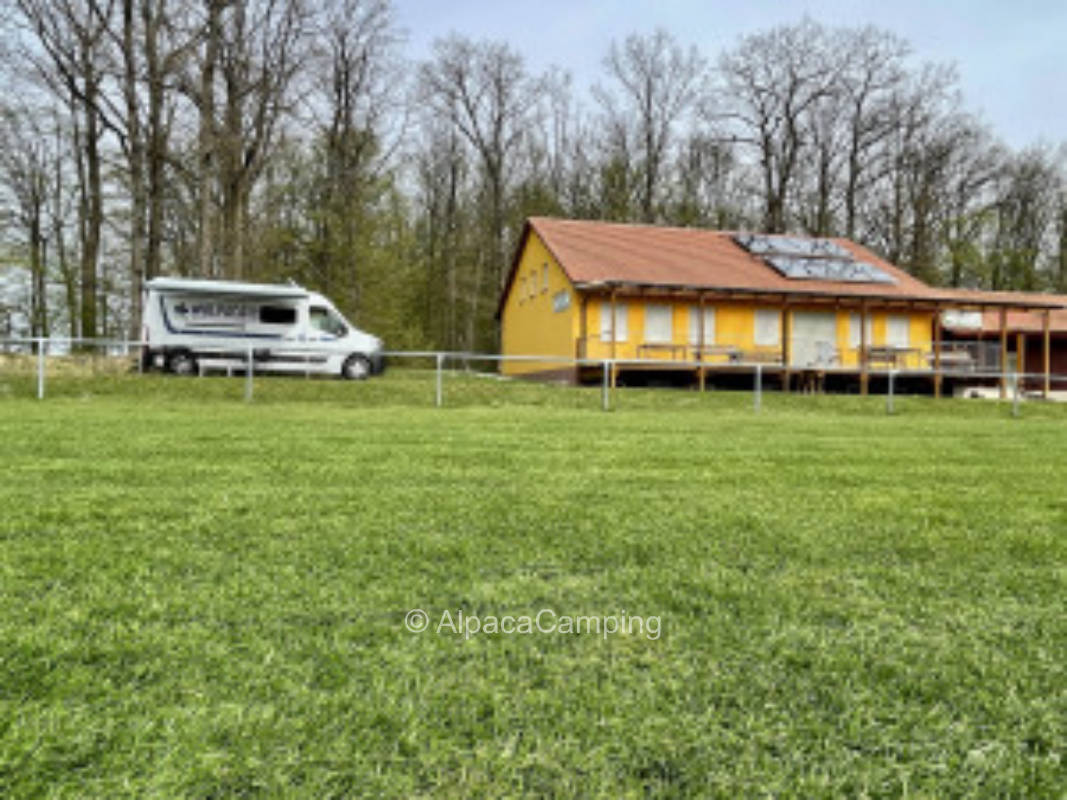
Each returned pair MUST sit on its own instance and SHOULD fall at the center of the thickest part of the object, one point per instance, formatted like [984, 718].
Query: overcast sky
[1011, 54]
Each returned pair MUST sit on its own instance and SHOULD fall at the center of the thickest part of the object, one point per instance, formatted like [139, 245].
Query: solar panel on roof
[800, 258]
[792, 245]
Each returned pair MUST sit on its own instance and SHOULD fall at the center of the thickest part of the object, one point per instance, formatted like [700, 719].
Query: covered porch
[805, 340]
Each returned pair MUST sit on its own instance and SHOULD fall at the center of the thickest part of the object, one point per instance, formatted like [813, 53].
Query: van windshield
[323, 319]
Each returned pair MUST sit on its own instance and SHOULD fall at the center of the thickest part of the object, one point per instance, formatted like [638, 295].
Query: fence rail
[43, 349]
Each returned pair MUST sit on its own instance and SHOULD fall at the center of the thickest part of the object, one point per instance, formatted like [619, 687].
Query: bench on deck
[953, 360]
[651, 349]
[895, 356]
[729, 352]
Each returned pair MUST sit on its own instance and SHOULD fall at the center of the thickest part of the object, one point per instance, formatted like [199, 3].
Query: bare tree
[708, 189]
[1025, 217]
[772, 81]
[874, 74]
[25, 171]
[353, 102]
[250, 52]
[660, 85]
[1061, 237]
[484, 91]
[442, 169]
[150, 50]
[968, 203]
[71, 39]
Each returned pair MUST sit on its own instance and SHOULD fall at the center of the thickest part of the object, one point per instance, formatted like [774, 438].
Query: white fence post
[248, 376]
[41, 345]
[889, 394]
[757, 400]
[440, 396]
[1015, 395]
[605, 391]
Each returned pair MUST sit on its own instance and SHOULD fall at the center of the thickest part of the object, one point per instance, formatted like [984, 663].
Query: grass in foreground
[203, 597]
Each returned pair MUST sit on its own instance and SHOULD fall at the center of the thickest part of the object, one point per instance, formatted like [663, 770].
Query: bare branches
[661, 85]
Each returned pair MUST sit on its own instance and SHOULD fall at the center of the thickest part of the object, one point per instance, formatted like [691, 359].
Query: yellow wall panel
[531, 322]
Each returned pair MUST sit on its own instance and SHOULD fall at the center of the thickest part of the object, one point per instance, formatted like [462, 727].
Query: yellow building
[707, 303]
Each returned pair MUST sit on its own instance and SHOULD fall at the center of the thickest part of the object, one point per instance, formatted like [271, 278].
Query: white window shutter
[898, 331]
[768, 331]
[694, 325]
[658, 323]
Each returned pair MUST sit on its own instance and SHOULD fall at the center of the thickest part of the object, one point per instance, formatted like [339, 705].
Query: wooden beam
[614, 337]
[700, 342]
[784, 331]
[1020, 359]
[864, 345]
[583, 326]
[937, 352]
[1003, 352]
[1046, 325]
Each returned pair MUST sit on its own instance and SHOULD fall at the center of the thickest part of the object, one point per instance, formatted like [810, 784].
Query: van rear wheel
[181, 362]
[356, 367]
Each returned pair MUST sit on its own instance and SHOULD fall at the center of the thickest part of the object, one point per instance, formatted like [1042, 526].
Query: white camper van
[194, 325]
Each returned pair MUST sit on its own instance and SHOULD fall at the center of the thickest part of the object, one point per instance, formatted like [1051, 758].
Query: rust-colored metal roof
[609, 253]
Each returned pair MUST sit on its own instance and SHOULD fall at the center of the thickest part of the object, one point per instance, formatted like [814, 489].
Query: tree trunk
[156, 150]
[207, 140]
[135, 158]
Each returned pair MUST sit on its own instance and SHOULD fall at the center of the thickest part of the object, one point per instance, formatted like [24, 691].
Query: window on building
[897, 331]
[544, 278]
[768, 332]
[854, 330]
[621, 334]
[694, 325]
[658, 323]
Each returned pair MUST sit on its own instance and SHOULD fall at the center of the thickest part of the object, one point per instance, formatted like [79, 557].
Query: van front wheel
[182, 362]
[356, 367]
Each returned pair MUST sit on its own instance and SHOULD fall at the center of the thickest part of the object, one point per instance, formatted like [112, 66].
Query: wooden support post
[700, 343]
[1020, 359]
[864, 347]
[614, 336]
[583, 328]
[784, 330]
[1046, 325]
[937, 351]
[1003, 352]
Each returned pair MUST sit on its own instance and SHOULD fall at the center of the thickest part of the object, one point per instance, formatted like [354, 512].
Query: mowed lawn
[202, 597]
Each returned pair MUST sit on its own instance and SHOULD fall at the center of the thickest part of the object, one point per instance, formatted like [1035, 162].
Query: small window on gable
[544, 278]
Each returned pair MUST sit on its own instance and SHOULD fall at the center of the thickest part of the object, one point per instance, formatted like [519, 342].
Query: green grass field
[206, 598]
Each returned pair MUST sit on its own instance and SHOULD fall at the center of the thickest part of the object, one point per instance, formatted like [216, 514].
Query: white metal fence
[125, 355]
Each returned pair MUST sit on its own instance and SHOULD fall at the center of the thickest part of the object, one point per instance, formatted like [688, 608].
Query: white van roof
[229, 288]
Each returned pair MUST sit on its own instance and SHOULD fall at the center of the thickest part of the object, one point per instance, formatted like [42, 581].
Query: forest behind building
[274, 140]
